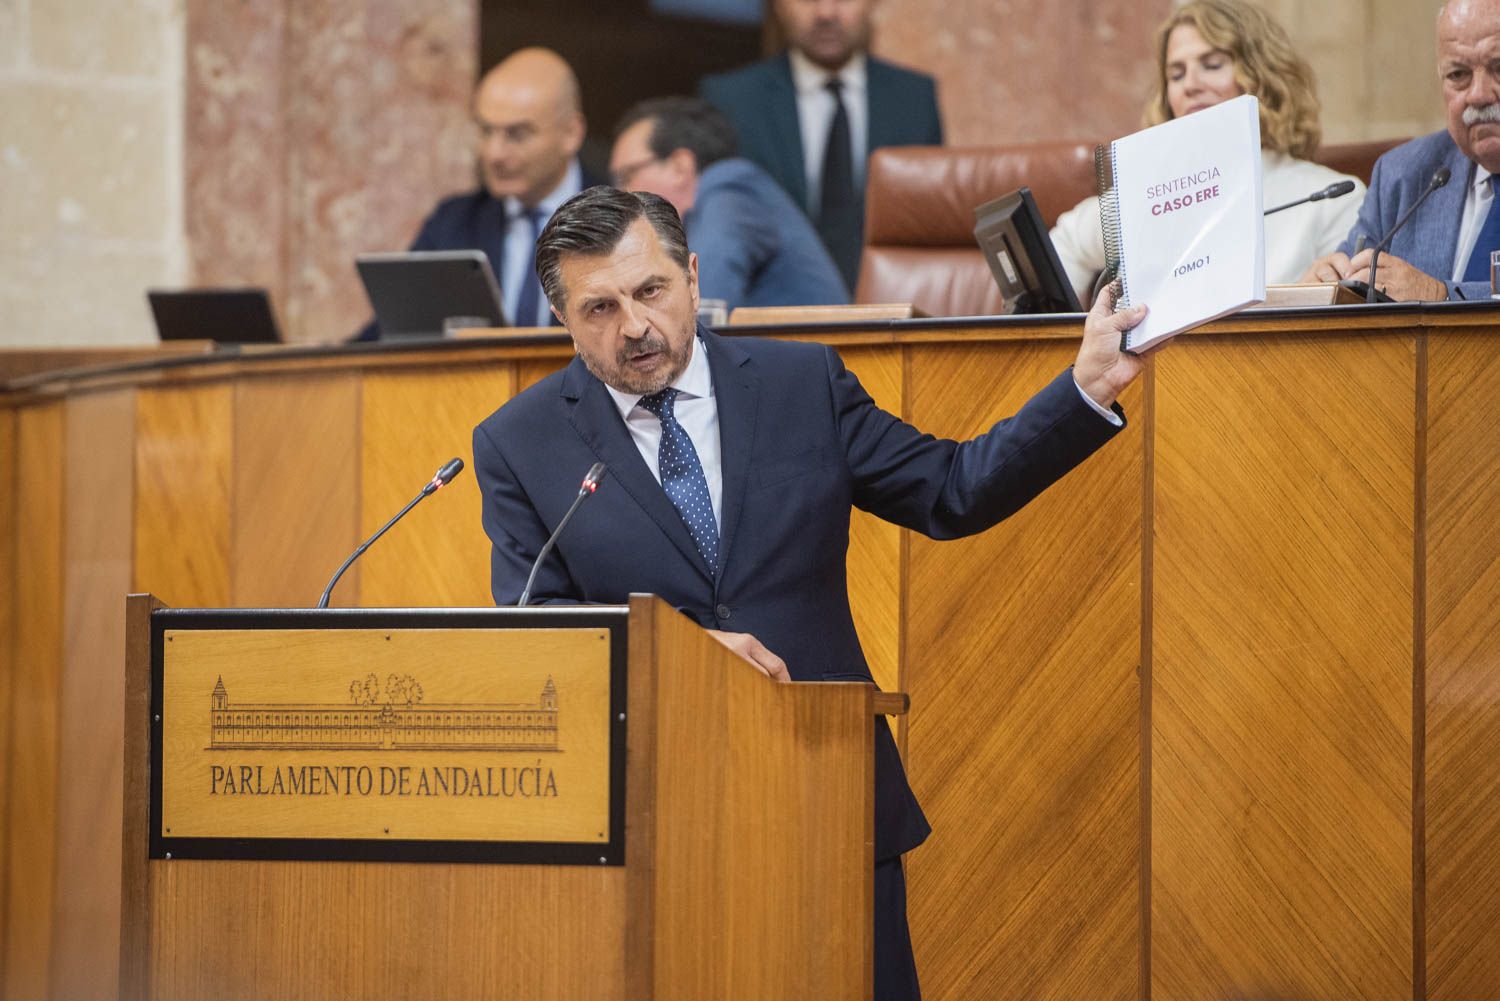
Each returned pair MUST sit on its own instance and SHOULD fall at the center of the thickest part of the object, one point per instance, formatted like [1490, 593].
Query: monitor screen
[416, 292]
[223, 315]
[1015, 241]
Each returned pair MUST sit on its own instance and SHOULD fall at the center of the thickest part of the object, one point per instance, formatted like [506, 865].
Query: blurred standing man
[1444, 250]
[754, 246]
[529, 125]
[812, 115]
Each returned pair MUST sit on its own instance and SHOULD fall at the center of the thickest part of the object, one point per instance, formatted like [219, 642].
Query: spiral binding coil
[1109, 223]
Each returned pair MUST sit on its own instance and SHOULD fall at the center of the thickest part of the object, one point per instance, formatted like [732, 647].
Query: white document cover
[1192, 233]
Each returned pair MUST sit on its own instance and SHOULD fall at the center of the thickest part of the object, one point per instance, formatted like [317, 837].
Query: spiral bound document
[1180, 206]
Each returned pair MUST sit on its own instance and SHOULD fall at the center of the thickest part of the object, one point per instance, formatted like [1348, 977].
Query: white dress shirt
[1477, 202]
[697, 412]
[519, 249]
[815, 110]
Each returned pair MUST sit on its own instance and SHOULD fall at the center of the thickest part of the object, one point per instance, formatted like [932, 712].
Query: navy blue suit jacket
[1429, 242]
[802, 443]
[761, 102]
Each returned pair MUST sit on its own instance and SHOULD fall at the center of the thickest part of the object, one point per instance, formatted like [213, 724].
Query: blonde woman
[1207, 52]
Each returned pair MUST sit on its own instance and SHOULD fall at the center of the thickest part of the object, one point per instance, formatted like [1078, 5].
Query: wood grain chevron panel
[32, 838]
[529, 373]
[439, 554]
[874, 562]
[1282, 660]
[10, 485]
[1023, 740]
[1463, 670]
[499, 931]
[97, 533]
[296, 489]
[184, 447]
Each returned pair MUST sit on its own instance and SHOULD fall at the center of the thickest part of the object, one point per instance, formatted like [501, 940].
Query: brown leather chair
[1355, 158]
[919, 213]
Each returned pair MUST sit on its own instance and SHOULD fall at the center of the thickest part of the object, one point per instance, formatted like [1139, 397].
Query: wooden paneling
[762, 824]
[1463, 669]
[1286, 787]
[239, 931]
[295, 493]
[875, 546]
[439, 554]
[183, 452]
[1023, 736]
[529, 373]
[96, 570]
[32, 842]
[9, 580]
[1281, 674]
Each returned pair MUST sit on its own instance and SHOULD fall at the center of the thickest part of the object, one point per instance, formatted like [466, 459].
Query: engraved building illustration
[400, 722]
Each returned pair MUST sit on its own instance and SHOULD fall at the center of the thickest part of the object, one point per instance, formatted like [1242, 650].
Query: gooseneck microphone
[1439, 178]
[590, 484]
[444, 476]
[1335, 190]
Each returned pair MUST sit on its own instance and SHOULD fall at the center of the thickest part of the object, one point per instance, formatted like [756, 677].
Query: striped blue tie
[683, 479]
[1488, 239]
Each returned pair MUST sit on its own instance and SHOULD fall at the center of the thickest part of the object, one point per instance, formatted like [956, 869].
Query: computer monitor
[414, 292]
[223, 315]
[1015, 241]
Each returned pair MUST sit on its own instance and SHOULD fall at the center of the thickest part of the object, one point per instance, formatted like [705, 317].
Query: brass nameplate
[426, 735]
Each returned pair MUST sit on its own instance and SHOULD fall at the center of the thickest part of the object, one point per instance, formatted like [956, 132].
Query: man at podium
[733, 467]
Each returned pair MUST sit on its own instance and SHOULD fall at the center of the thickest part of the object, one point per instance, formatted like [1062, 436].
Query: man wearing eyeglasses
[754, 245]
[528, 127]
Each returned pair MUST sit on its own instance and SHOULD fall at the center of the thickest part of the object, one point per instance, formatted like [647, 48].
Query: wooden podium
[590, 802]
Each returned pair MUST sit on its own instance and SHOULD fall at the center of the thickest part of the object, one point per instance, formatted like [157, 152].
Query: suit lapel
[1449, 204]
[736, 395]
[880, 92]
[786, 128]
[593, 414]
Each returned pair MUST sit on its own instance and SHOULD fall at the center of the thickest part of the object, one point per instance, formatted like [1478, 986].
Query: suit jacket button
[721, 612]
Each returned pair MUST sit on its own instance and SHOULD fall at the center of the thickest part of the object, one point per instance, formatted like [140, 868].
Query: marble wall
[90, 167]
[316, 131]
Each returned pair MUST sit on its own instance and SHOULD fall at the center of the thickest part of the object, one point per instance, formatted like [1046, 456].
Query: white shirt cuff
[1104, 412]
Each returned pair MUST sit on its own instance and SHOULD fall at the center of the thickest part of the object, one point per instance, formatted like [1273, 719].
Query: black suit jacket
[802, 443]
[761, 102]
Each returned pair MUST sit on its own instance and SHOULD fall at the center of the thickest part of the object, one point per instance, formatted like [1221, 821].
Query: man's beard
[623, 378]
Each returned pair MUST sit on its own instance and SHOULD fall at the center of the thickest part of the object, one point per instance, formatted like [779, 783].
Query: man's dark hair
[688, 123]
[594, 222]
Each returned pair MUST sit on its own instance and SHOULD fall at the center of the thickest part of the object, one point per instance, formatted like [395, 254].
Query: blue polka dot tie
[683, 479]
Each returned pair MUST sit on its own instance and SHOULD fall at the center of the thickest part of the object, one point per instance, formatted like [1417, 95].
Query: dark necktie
[1488, 240]
[839, 222]
[683, 479]
[531, 288]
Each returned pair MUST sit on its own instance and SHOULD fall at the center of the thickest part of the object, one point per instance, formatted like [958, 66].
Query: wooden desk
[1215, 716]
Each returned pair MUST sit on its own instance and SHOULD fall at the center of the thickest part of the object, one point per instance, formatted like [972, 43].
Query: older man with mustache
[1444, 250]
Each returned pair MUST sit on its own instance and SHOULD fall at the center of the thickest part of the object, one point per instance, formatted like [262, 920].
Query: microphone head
[1339, 189]
[595, 475]
[1440, 177]
[450, 469]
